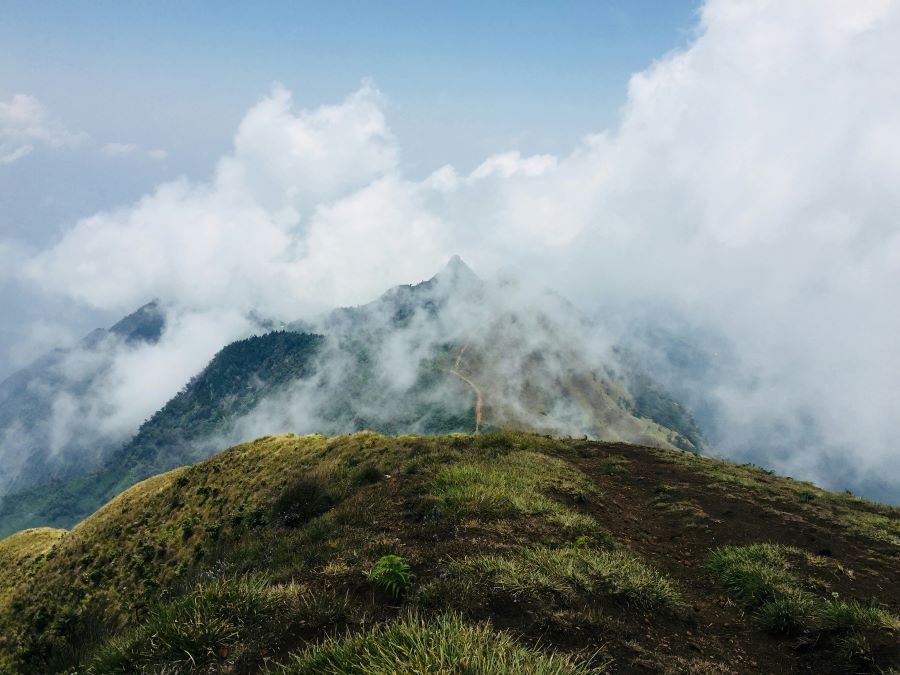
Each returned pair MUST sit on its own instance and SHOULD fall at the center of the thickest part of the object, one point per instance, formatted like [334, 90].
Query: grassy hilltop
[501, 552]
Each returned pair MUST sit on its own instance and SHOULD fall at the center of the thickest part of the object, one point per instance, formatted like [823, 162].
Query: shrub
[300, 502]
[391, 573]
[367, 474]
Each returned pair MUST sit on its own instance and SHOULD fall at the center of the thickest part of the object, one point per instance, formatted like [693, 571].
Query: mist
[745, 204]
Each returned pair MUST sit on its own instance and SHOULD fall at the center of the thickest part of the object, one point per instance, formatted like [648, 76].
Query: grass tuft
[570, 573]
[513, 485]
[225, 623]
[443, 645]
[763, 579]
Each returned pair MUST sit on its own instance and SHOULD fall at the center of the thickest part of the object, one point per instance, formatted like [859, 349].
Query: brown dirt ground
[716, 636]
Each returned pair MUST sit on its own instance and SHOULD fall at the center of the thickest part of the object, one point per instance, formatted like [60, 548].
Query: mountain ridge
[593, 556]
[384, 366]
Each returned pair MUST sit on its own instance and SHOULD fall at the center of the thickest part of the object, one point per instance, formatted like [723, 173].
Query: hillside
[419, 359]
[179, 433]
[525, 554]
[58, 387]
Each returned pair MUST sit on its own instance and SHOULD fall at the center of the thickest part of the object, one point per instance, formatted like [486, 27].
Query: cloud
[296, 188]
[123, 150]
[25, 123]
[119, 149]
[750, 187]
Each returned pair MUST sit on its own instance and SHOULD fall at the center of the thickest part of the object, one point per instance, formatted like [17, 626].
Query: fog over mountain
[737, 229]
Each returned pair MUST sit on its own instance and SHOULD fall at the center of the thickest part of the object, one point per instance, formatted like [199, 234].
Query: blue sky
[463, 80]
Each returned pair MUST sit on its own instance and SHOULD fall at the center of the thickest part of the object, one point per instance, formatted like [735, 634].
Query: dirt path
[479, 399]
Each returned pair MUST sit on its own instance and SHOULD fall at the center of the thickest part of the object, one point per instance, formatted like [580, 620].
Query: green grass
[879, 522]
[169, 569]
[227, 623]
[838, 614]
[614, 464]
[570, 573]
[766, 580]
[754, 574]
[513, 485]
[874, 525]
[22, 553]
[689, 513]
[445, 644]
[197, 630]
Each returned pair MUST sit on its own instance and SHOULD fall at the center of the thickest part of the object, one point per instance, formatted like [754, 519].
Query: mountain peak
[456, 274]
[146, 324]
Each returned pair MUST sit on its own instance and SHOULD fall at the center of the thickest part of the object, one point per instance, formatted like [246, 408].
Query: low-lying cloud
[749, 188]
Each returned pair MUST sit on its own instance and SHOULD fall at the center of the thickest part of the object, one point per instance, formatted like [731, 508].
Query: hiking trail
[478, 397]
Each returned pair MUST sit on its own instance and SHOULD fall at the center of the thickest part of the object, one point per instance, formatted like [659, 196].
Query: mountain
[501, 552]
[45, 430]
[450, 354]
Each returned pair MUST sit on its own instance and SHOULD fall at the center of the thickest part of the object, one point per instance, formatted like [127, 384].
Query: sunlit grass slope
[522, 552]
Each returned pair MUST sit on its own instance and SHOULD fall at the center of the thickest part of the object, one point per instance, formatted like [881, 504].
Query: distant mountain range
[442, 356]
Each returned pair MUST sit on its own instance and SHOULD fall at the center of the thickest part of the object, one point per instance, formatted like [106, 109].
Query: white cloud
[25, 123]
[119, 149]
[123, 150]
[237, 239]
[751, 183]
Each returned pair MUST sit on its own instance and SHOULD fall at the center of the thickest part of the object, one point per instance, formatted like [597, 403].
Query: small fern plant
[391, 573]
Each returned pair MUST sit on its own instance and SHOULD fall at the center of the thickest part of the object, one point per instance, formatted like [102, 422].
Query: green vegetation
[391, 573]
[614, 464]
[236, 379]
[512, 485]
[288, 506]
[881, 526]
[572, 573]
[765, 579]
[22, 553]
[445, 644]
[225, 623]
[291, 554]
[197, 630]
[870, 520]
